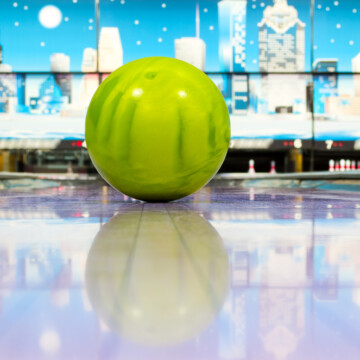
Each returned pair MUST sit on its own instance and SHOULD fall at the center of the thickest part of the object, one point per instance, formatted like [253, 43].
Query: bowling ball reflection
[157, 275]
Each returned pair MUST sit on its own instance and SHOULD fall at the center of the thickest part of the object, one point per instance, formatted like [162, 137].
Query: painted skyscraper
[232, 35]
[356, 68]
[282, 49]
[325, 86]
[281, 39]
[9, 90]
[88, 86]
[329, 97]
[50, 99]
[60, 62]
[89, 60]
[89, 82]
[110, 49]
[192, 49]
[232, 51]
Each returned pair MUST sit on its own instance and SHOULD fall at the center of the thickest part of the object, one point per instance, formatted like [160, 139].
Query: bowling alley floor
[235, 271]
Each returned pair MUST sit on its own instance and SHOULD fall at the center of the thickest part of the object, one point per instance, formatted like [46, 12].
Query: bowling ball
[157, 129]
[157, 276]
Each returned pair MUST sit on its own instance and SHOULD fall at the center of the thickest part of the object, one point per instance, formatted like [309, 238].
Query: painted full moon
[50, 16]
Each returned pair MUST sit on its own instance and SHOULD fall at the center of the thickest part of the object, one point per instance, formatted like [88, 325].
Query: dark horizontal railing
[247, 73]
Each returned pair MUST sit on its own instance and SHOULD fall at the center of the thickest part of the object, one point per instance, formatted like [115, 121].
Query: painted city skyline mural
[214, 35]
[31, 31]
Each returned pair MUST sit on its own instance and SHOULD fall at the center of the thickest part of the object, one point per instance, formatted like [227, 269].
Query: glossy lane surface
[229, 273]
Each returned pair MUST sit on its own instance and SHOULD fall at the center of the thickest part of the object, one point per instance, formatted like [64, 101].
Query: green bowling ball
[157, 129]
[157, 276]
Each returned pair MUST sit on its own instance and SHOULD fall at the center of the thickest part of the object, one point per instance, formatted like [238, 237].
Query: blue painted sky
[28, 45]
[336, 29]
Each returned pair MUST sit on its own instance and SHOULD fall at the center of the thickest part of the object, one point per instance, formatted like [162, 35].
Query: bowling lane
[228, 273]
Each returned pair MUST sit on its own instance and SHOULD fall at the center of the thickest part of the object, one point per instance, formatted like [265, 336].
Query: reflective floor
[228, 273]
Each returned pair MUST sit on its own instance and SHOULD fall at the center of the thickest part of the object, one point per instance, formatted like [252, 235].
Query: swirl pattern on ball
[157, 129]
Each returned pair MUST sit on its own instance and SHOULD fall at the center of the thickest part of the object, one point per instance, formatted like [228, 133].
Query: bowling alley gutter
[48, 176]
[316, 175]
